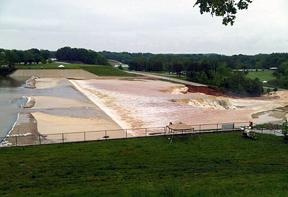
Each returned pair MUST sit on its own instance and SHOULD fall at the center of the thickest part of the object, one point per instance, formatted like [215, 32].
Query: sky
[157, 26]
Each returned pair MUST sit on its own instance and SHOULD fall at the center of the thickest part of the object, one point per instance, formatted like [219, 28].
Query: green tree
[11, 57]
[177, 68]
[225, 8]
[43, 61]
[155, 63]
[120, 67]
[80, 55]
[138, 63]
[45, 54]
[7, 61]
[2, 58]
[28, 57]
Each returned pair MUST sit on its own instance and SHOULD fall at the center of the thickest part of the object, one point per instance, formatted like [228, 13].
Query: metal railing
[57, 138]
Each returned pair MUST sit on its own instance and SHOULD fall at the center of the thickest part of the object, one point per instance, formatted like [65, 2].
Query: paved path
[167, 78]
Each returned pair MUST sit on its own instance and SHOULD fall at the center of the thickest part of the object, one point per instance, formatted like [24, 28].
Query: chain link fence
[38, 139]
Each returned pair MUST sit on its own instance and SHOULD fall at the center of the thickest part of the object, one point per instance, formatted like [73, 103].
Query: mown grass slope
[266, 75]
[100, 70]
[106, 71]
[206, 165]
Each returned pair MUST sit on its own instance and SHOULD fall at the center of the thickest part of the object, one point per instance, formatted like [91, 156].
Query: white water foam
[92, 97]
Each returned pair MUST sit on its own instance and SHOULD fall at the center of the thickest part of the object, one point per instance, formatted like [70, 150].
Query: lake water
[11, 100]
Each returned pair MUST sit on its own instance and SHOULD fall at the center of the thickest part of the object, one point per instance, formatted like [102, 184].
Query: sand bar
[50, 124]
[51, 102]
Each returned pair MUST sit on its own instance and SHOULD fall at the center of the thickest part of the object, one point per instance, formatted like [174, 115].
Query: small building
[122, 65]
[273, 68]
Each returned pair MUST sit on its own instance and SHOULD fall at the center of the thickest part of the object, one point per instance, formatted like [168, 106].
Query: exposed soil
[205, 90]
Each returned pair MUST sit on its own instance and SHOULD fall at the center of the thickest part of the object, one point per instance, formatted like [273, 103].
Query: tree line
[36, 56]
[9, 58]
[260, 61]
[211, 69]
[80, 55]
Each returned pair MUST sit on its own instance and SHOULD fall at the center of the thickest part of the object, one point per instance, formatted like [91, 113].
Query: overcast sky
[158, 26]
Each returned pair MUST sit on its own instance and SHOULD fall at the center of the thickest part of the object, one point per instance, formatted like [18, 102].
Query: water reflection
[11, 101]
[10, 82]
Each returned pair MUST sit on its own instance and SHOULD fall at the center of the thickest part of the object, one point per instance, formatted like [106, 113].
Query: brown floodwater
[153, 103]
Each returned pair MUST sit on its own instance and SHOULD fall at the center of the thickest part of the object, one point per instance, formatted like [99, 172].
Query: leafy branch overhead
[225, 8]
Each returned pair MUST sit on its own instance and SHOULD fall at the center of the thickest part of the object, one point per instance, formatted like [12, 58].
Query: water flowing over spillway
[152, 103]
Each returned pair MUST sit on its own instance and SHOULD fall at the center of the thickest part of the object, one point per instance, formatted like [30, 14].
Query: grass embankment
[107, 71]
[207, 165]
[172, 75]
[266, 75]
[99, 70]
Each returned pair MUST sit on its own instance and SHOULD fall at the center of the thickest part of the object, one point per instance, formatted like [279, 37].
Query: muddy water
[11, 100]
[154, 103]
[277, 115]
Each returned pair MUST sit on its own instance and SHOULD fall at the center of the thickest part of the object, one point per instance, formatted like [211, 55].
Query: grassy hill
[266, 75]
[206, 165]
[99, 70]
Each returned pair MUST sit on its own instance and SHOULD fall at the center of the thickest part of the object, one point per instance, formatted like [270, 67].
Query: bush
[269, 126]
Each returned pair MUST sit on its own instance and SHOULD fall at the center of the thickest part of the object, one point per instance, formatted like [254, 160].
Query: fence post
[126, 133]
[16, 140]
[105, 134]
[199, 127]
[145, 131]
[62, 137]
[84, 133]
[39, 138]
[217, 127]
